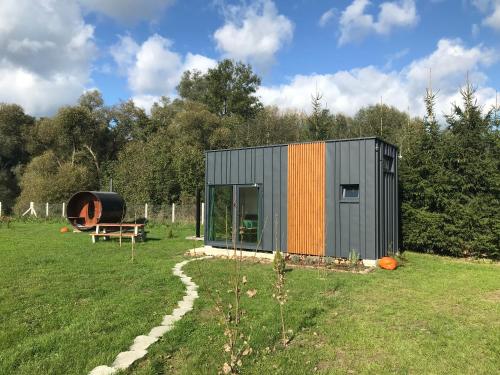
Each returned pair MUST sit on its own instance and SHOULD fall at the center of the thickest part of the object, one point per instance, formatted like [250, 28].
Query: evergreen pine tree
[473, 180]
[422, 188]
[320, 120]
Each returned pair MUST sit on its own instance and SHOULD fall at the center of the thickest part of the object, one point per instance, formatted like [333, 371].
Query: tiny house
[320, 198]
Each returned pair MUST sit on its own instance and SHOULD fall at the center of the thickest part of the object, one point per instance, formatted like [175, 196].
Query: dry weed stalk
[237, 344]
[280, 294]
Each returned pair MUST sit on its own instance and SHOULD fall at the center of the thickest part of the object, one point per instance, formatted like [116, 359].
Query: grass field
[67, 306]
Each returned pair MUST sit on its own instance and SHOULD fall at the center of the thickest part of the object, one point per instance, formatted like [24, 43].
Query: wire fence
[161, 214]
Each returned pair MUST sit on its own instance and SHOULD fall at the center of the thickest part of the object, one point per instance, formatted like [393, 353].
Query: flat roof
[305, 142]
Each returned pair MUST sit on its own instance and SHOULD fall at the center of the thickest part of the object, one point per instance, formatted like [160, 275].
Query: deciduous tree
[226, 90]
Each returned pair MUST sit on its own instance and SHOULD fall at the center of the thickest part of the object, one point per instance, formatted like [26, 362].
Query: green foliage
[353, 258]
[46, 179]
[170, 232]
[14, 124]
[379, 120]
[228, 89]
[130, 122]
[320, 122]
[92, 100]
[189, 164]
[269, 126]
[144, 172]
[451, 184]
[8, 189]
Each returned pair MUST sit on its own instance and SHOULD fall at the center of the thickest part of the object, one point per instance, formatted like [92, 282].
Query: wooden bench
[120, 230]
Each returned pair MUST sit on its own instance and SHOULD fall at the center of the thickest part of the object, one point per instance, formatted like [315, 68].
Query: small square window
[350, 191]
[388, 163]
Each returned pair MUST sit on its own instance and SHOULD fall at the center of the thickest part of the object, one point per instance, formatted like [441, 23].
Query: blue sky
[352, 51]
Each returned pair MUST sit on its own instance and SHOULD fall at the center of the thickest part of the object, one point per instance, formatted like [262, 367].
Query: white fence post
[0, 208]
[64, 210]
[31, 210]
[173, 212]
[146, 211]
[202, 213]
[46, 209]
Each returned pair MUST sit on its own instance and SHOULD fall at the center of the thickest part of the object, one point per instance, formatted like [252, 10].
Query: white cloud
[355, 24]
[253, 33]
[326, 17]
[124, 52]
[198, 62]
[395, 57]
[450, 62]
[492, 7]
[344, 91]
[153, 69]
[46, 53]
[348, 91]
[156, 67]
[128, 10]
[146, 101]
[493, 20]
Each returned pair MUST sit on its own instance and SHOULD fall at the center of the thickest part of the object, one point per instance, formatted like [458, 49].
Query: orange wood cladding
[306, 198]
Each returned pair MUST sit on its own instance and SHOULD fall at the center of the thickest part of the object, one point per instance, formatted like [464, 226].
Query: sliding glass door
[248, 214]
[234, 215]
[220, 214]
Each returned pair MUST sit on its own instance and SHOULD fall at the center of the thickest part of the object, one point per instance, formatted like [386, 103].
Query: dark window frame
[228, 242]
[388, 164]
[349, 187]
[237, 213]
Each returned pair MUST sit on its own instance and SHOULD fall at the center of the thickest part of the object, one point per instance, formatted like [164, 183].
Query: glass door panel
[220, 213]
[248, 214]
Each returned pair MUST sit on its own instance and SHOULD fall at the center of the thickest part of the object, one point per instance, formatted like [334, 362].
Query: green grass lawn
[67, 306]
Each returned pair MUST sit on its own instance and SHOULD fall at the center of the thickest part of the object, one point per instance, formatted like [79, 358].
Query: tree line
[449, 172]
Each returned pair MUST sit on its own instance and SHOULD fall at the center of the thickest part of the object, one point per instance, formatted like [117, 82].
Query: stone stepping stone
[159, 331]
[125, 359]
[143, 342]
[103, 370]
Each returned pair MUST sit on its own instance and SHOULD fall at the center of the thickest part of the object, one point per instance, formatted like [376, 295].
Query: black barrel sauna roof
[86, 209]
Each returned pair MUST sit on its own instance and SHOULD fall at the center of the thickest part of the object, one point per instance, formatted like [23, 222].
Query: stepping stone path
[141, 343]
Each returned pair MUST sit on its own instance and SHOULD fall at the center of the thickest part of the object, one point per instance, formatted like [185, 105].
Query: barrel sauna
[86, 209]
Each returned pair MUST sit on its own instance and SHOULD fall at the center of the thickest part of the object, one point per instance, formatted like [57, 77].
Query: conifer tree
[320, 120]
[473, 180]
[421, 176]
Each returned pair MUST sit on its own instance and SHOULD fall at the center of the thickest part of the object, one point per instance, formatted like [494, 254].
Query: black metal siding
[350, 225]
[389, 202]
[266, 166]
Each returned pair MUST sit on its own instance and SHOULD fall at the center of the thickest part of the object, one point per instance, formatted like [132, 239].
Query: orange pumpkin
[388, 263]
[64, 230]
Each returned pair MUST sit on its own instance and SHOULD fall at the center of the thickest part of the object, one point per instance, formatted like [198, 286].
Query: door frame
[235, 217]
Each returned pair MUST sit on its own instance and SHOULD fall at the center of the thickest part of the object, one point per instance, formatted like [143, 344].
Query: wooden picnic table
[120, 230]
